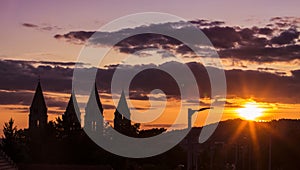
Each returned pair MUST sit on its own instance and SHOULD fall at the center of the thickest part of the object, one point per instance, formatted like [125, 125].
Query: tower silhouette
[122, 122]
[71, 117]
[93, 120]
[38, 110]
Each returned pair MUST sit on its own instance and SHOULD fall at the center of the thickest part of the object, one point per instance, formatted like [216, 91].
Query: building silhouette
[71, 117]
[38, 122]
[93, 119]
[122, 122]
[38, 111]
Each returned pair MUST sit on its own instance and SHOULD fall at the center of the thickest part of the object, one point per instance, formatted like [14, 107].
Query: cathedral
[93, 121]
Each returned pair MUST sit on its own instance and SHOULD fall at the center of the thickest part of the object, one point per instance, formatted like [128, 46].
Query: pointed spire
[38, 110]
[93, 121]
[95, 95]
[70, 106]
[38, 99]
[72, 109]
[123, 106]
[122, 122]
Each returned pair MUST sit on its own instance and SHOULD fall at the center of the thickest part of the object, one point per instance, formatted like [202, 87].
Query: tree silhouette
[9, 131]
[14, 141]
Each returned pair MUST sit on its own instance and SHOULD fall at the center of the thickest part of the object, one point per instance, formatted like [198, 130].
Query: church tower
[38, 110]
[71, 117]
[122, 122]
[93, 120]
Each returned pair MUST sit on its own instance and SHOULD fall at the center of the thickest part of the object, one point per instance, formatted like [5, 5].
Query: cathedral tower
[71, 117]
[93, 120]
[122, 122]
[38, 110]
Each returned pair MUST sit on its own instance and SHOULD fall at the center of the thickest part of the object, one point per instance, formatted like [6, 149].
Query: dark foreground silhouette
[236, 144]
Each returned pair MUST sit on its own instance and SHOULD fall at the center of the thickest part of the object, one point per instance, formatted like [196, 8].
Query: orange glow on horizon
[269, 111]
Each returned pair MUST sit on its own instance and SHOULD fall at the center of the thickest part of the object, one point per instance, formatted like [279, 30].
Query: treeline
[57, 144]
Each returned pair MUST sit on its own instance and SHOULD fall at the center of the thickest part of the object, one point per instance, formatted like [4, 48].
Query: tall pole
[190, 114]
[190, 162]
[270, 152]
[189, 142]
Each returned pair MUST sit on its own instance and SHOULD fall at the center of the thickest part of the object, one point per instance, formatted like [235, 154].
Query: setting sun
[250, 111]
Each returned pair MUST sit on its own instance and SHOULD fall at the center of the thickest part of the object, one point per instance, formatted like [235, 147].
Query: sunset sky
[258, 43]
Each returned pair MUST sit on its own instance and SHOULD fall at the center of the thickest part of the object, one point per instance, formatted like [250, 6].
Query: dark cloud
[16, 97]
[163, 125]
[134, 95]
[30, 25]
[286, 37]
[53, 63]
[140, 108]
[265, 31]
[197, 102]
[159, 80]
[43, 27]
[263, 86]
[285, 22]
[222, 37]
[296, 74]
[20, 109]
[107, 106]
[207, 23]
[77, 37]
[263, 54]
[232, 105]
[259, 85]
[22, 75]
[269, 43]
[266, 69]
[19, 79]
[25, 98]
[280, 73]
